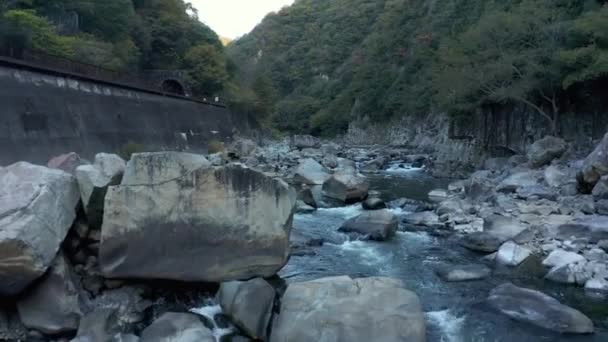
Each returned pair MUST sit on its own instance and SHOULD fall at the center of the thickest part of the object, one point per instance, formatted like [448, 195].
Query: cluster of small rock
[543, 204]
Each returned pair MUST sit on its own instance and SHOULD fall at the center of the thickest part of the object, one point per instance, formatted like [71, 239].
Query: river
[454, 311]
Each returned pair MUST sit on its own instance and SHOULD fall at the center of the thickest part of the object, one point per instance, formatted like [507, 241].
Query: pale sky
[234, 18]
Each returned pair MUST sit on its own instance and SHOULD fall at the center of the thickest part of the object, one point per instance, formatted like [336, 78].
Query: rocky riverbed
[305, 240]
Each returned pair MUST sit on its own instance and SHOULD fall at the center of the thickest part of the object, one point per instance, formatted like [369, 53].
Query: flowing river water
[454, 311]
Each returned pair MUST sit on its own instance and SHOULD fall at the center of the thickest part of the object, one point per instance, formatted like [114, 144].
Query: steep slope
[318, 65]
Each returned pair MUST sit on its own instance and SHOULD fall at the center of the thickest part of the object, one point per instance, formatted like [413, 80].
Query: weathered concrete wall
[44, 113]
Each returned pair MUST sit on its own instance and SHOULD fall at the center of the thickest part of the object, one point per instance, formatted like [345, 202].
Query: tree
[586, 56]
[207, 69]
[508, 57]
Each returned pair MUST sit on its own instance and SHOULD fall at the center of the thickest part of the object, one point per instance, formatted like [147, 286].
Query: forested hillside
[129, 35]
[319, 64]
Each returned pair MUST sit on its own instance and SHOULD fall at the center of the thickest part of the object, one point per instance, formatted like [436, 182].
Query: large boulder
[557, 176]
[249, 305]
[310, 172]
[347, 188]
[512, 254]
[539, 309]
[94, 180]
[37, 209]
[342, 309]
[377, 225]
[595, 165]
[172, 208]
[177, 327]
[600, 190]
[53, 305]
[560, 257]
[543, 151]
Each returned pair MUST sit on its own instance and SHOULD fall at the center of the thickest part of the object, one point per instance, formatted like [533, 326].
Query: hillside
[129, 35]
[318, 65]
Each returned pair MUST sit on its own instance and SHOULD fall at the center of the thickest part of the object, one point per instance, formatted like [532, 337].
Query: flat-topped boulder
[176, 217]
[537, 308]
[310, 172]
[375, 224]
[37, 209]
[366, 309]
[543, 151]
[346, 187]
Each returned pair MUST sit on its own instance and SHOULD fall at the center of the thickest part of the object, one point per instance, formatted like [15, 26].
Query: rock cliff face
[176, 217]
[461, 146]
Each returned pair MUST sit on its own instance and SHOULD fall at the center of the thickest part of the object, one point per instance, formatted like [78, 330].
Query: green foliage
[207, 68]
[132, 35]
[335, 61]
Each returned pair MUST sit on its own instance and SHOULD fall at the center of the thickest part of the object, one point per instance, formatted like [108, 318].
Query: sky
[234, 18]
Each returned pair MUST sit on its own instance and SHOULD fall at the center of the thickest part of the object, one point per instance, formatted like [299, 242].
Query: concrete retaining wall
[44, 113]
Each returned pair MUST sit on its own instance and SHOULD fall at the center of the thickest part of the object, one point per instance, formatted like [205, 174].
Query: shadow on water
[454, 311]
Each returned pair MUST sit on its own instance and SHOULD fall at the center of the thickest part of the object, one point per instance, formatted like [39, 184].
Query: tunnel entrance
[173, 87]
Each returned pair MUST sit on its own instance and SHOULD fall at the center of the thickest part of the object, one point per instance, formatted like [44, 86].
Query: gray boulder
[595, 165]
[560, 257]
[378, 225]
[438, 195]
[543, 151]
[512, 254]
[519, 180]
[234, 221]
[464, 273]
[504, 228]
[37, 209]
[480, 185]
[100, 325]
[342, 309]
[572, 273]
[347, 188]
[537, 308]
[600, 190]
[373, 203]
[94, 180]
[310, 172]
[481, 242]
[177, 327]
[249, 305]
[557, 176]
[53, 305]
